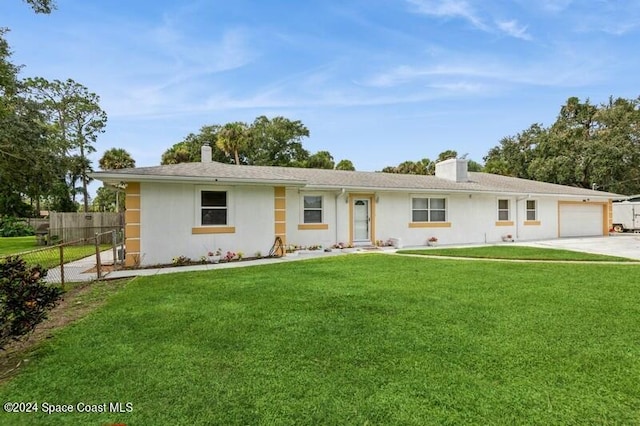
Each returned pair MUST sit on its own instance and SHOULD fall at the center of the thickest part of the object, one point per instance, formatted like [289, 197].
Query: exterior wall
[472, 218]
[169, 222]
[329, 231]
[162, 220]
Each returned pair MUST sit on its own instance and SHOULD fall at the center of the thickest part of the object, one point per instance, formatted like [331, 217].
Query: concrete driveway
[623, 245]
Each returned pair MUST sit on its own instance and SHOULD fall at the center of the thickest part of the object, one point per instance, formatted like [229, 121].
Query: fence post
[98, 265]
[114, 239]
[62, 265]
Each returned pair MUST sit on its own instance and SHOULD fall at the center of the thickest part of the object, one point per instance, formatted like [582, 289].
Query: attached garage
[581, 219]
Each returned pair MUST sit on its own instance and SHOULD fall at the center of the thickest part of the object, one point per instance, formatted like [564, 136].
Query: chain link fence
[83, 259]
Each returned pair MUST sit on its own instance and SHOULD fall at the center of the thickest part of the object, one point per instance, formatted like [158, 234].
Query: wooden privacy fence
[77, 226]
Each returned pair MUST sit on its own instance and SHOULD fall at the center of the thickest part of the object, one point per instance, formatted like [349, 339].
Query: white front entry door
[361, 220]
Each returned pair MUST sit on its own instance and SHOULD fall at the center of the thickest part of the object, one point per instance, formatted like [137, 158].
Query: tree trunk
[83, 177]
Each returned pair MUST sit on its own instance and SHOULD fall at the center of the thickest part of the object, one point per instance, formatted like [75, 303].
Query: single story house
[189, 209]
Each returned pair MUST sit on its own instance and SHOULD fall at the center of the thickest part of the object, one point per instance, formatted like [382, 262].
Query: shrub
[181, 261]
[24, 298]
[12, 227]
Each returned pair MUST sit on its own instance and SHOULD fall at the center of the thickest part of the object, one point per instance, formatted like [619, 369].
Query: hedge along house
[191, 208]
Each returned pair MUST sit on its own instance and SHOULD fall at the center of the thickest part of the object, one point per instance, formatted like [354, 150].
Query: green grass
[48, 257]
[13, 245]
[517, 252]
[366, 339]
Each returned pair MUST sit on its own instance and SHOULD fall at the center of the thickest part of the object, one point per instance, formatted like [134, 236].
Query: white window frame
[534, 210]
[429, 210]
[198, 205]
[303, 209]
[508, 210]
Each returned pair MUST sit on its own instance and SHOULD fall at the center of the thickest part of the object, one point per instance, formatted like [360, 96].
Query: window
[214, 207]
[428, 210]
[503, 209]
[312, 209]
[532, 210]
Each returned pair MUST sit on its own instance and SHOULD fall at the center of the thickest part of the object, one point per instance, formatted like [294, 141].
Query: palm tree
[232, 138]
[116, 158]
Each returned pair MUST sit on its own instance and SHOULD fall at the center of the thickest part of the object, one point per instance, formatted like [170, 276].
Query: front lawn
[517, 252]
[13, 245]
[360, 339]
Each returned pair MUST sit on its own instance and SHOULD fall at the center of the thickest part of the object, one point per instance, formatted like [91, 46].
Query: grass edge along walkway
[514, 253]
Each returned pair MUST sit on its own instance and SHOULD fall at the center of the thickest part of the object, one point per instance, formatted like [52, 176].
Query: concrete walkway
[623, 245]
[76, 271]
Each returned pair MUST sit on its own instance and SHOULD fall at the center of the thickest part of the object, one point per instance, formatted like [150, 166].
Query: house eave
[118, 178]
[585, 197]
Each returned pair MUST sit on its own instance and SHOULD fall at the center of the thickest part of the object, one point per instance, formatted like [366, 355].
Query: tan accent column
[132, 224]
[280, 215]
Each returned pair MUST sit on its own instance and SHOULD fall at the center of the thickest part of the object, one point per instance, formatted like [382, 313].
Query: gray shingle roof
[320, 178]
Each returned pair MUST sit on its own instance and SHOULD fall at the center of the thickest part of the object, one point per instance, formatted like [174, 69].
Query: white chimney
[205, 153]
[454, 169]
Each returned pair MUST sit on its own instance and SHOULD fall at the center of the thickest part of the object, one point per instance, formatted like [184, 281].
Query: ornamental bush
[12, 227]
[25, 298]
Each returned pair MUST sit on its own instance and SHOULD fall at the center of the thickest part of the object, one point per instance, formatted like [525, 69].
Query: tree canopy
[41, 6]
[588, 146]
[266, 142]
[428, 167]
[75, 120]
[109, 198]
[47, 129]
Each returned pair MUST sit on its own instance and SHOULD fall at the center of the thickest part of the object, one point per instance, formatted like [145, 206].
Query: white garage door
[580, 220]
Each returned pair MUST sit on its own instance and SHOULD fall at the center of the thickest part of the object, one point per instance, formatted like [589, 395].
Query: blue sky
[375, 81]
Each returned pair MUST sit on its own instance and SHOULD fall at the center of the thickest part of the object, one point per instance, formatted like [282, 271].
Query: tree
[23, 147]
[320, 160]
[116, 158]
[446, 155]
[277, 142]
[474, 166]
[108, 197]
[345, 165]
[587, 146]
[41, 6]
[269, 142]
[75, 120]
[426, 166]
[515, 153]
[233, 138]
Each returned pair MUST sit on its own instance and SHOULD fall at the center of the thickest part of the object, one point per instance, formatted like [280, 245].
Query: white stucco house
[191, 208]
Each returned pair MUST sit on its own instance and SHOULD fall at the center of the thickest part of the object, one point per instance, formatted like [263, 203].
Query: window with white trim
[213, 208]
[312, 209]
[428, 209]
[532, 210]
[504, 210]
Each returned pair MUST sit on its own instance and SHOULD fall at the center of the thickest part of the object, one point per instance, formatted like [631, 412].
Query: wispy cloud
[461, 9]
[514, 29]
[449, 9]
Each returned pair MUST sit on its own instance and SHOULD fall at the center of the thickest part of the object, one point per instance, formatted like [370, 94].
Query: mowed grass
[13, 245]
[517, 252]
[360, 339]
[47, 257]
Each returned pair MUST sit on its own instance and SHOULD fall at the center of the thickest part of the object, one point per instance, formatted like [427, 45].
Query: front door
[361, 220]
